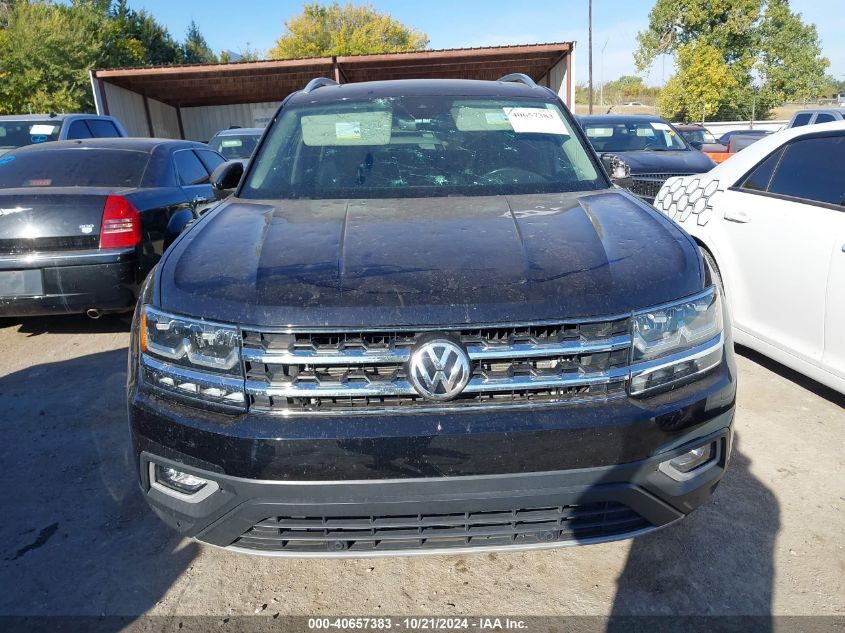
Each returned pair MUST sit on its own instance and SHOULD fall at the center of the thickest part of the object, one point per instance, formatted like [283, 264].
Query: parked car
[739, 142]
[236, 143]
[651, 147]
[771, 221]
[815, 116]
[700, 137]
[725, 139]
[83, 222]
[425, 321]
[28, 129]
[631, 104]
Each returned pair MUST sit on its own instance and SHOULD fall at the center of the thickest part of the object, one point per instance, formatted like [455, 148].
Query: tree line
[734, 58]
[47, 49]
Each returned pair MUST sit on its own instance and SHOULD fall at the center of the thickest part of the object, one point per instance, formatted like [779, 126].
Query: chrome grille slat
[475, 351]
[403, 387]
[361, 372]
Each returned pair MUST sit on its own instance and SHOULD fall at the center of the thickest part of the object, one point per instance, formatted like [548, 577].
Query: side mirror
[696, 145]
[618, 170]
[178, 222]
[225, 179]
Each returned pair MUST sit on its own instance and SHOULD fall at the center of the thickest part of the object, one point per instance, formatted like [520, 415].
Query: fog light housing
[687, 465]
[177, 483]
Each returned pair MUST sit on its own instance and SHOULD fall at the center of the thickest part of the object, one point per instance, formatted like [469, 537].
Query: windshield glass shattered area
[636, 136]
[421, 146]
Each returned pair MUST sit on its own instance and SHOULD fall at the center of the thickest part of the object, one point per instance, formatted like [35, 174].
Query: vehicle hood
[431, 261]
[671, 162]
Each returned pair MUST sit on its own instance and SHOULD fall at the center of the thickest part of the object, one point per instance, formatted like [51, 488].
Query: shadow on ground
[799, 379]
[77, 537]
[717, 561]
[69, 324]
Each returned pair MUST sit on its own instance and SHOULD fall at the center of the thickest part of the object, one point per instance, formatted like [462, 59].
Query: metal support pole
[590, 52]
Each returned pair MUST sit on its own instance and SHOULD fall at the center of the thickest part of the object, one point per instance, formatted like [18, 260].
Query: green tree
[322, 30]
[196, 50]
[703, 85]
[745, 35]
[136, 38]
[45, 52]
[791, 65]
[727, 25]
[246, 54]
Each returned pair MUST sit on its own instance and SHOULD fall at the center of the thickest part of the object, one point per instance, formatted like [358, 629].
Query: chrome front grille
[647, 185]
[292, 372]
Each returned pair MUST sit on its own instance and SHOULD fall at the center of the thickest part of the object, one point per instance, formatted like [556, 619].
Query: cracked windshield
[422, 146]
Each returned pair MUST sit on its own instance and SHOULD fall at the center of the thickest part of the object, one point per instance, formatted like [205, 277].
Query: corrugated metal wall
[200, 123]
[128, 107]
[165, 121]
[555, 79]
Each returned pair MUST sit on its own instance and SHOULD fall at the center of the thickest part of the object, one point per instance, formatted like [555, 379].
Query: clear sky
[460, 23]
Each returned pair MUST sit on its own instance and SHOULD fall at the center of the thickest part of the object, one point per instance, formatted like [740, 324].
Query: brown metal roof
[272, 80]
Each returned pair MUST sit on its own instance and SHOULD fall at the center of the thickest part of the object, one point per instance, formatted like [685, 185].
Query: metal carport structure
[194, 101]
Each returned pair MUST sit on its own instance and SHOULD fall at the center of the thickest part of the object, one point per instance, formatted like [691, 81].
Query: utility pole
[601, 75]
[753, 109]
[590, 51]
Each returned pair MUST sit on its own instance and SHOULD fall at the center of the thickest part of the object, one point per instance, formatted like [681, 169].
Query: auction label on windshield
[347, 130]
[535, 121]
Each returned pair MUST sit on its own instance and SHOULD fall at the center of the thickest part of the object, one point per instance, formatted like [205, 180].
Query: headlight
[676, 342]
[193, 358]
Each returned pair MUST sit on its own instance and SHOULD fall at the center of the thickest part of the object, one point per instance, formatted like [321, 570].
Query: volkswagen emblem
[439, 369]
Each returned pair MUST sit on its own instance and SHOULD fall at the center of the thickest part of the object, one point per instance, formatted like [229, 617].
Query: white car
[771, 222]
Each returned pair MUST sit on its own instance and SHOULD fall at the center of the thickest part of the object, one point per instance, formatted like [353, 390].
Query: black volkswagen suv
[426, 321]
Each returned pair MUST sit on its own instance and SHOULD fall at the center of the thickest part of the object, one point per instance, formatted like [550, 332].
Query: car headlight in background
[676, 342]
[193, 358]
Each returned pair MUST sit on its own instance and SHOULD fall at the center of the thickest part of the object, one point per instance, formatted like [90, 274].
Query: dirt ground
[76, 537]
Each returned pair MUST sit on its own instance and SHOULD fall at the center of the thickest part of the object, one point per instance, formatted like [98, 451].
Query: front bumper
[74, 281]
[439, 515]
[512, 479]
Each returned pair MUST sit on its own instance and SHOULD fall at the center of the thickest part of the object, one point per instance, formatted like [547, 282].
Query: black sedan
[652, 148]
[83, 222]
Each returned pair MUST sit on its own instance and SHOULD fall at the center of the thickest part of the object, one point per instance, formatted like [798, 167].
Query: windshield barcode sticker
[42, 129]
[347, 131]
[535, 121]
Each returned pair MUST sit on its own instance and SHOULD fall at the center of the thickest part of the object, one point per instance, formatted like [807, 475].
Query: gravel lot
[77, 538]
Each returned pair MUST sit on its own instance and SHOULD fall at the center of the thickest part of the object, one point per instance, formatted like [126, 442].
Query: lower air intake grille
[529, 526]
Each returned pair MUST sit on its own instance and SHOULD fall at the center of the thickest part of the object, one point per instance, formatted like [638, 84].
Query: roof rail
[318, 82]
[520, 78]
